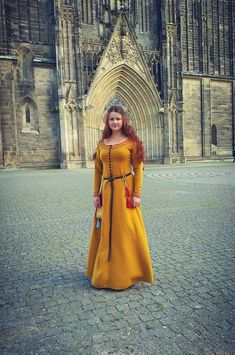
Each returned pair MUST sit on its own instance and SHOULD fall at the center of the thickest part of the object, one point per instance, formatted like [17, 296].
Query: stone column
[75, 134]
[81, 132]
[172, 82]
[233, 118]
[181, 132]
[9, 130]
[60, 79]
[67, 84]
[169, 90]
[206, 117]
[67, 28]
[166, 136]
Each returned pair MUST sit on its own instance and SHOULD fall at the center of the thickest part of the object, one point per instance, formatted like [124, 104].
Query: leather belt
[111, 180]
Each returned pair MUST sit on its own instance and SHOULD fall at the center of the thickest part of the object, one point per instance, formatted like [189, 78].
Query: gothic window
[154, 69]
[144, 15]
[27, 114]
[30, 123]
[133, 12]
[173, 11]
[25, 68]
[159, 77]
[174, 130]
[211, 54]
[153, 61]
[196, 10]
[90, 65]
[87, 11]
[214, 134]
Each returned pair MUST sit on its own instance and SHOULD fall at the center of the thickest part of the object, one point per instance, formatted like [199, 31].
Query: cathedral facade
[170, 64]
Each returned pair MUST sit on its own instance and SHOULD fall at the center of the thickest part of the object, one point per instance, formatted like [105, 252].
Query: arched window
[196, 10]
[27, 114]
[25, 68]
[87, 11]
[214, 134]
[144, 15]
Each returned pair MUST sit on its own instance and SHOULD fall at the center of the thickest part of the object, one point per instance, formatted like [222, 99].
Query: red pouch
[128, 198]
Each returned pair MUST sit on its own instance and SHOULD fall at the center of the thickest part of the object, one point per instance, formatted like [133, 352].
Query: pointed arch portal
[141, 100]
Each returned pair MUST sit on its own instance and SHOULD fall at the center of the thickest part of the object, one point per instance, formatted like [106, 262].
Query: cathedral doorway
[124, 86]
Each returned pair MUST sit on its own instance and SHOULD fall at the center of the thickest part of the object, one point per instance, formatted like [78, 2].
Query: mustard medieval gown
[121, 260]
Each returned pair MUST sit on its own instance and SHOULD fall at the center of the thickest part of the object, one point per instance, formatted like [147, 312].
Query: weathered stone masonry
[62, 63]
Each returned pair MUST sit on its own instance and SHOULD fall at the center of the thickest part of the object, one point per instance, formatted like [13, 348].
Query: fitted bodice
[117, 160]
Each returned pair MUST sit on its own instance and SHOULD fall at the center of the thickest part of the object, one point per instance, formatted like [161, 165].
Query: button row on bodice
[110, 163]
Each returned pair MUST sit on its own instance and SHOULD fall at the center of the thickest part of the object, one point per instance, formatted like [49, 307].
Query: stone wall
[29, 132]
[207, 35]
[192, 117]
[34, 143]
[207, 102]
[187, 40]
[221, 116]
[9, 139]
[39, 146]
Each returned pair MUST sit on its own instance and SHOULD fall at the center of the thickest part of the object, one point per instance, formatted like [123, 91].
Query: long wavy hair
[127, 129]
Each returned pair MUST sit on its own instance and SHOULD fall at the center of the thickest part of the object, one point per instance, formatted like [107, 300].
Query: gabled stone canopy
[123, 73]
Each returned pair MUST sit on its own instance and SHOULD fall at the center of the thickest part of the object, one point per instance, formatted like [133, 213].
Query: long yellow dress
[121, 262]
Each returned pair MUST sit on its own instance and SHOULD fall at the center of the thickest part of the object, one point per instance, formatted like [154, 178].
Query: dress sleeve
[98, 172]
[138, 170]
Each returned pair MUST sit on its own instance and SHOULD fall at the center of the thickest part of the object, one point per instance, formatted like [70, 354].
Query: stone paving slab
[47, 305]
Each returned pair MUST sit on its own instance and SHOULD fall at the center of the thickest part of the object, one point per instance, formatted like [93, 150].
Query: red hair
[127, 129]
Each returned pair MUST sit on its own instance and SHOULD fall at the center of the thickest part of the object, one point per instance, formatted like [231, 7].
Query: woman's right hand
[96, 201]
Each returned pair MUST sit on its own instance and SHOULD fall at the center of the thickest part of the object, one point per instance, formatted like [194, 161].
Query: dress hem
[121, 288]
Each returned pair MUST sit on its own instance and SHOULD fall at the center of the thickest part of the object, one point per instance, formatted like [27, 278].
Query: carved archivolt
[116, 100]
[125, 86]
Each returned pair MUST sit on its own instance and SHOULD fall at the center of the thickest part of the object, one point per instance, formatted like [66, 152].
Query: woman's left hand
[136, 202]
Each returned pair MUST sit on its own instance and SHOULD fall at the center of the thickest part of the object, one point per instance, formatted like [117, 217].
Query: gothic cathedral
[169, 63]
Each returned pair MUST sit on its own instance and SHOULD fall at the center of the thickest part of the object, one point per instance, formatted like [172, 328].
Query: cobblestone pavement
[47, 305]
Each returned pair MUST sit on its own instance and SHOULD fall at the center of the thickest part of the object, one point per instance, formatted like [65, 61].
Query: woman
[119, 254]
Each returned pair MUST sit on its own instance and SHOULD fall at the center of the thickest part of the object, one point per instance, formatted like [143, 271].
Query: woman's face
[115, 121]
